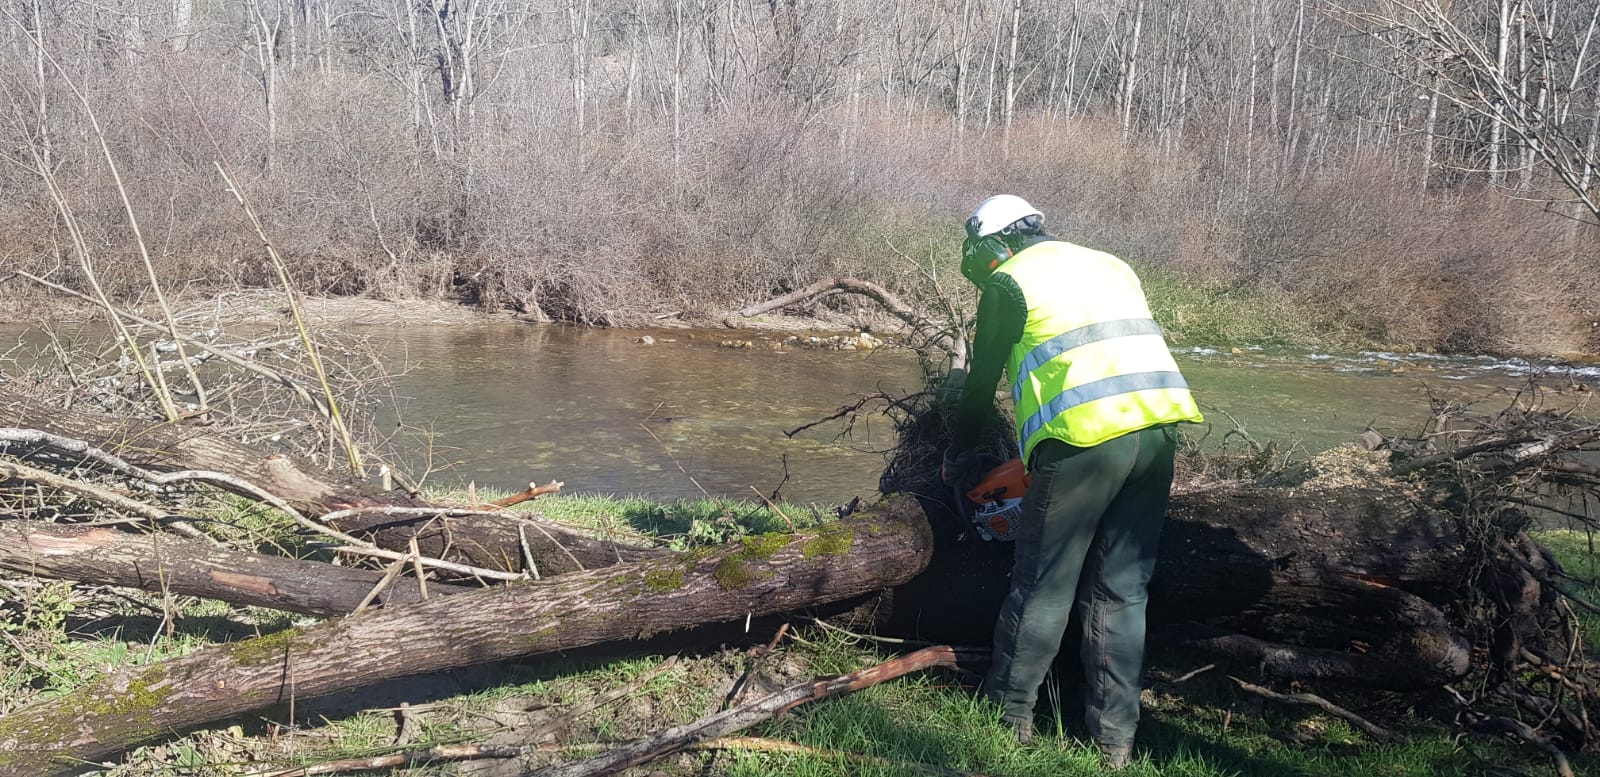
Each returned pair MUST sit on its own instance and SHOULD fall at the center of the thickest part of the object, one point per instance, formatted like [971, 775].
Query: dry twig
[421, 757]
[1310, 699]
[680, 737]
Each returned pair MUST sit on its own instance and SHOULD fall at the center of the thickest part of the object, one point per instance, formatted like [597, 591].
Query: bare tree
[1474, 78]
[1011, 76]
[265, 26]
[1130, 68]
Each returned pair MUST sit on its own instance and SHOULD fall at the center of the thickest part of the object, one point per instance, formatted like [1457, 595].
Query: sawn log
[155, 562]
[762, 575]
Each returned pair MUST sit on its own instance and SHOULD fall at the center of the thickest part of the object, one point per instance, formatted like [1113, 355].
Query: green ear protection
[981, 254]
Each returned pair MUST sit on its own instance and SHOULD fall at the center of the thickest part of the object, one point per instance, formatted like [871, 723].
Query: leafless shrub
[683, 156]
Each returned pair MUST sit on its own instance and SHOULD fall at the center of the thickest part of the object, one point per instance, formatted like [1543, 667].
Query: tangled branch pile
[1396, 563]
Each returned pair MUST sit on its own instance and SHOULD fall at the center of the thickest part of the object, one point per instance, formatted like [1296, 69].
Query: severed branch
[448, 566]
[739, 718]
[533, 491]
[78, 448]
[848, 410]
[1310, 699]
[11, 469]
[447, 753]
[1538, 450]
[223, 354]
[1574, 468]
[478, 539]
[442, 753]
[420, 757]
[1526, 450]
[488, 539]
[1428, 650]
[1466, 451]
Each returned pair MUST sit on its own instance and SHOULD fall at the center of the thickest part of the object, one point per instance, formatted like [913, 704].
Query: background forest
[1422, 172]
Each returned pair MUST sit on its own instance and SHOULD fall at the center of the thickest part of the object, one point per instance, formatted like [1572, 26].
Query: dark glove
[960, 469]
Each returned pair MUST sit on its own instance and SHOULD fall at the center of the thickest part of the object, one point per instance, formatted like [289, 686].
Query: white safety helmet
[985, 248]
[999, 212]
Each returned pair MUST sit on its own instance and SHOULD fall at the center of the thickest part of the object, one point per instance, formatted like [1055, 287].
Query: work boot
[1021, 726]
[1115, 757]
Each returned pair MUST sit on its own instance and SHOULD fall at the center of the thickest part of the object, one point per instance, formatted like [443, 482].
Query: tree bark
[773, 573]
[175, 447]
[1229, 556]
[156, 562]
[491, 541]
[1318, 569]
[1129, 72]
[1010, 106]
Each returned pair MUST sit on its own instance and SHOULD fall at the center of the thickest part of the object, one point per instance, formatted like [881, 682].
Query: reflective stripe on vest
[1083, 335]
[1100, 389]
[1091, 364]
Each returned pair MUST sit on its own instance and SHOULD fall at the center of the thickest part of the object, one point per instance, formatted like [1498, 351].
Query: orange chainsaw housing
[994, 505]
[1007, 481]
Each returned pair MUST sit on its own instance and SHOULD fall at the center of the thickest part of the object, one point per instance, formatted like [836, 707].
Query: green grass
[55, 647]
[1199, 729]
[1204, 727]
[683, 522]
[242, 522]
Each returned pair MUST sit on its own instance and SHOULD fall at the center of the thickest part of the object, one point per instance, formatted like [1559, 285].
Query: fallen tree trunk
[1249, 558]
[154, 562]
[1401, 566]
[492, 541]
[1360, 580]
[1332, 565]
[173, 447]
[768, 574]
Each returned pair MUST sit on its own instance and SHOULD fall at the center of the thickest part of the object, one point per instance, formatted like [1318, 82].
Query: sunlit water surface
[509, 403]
[501, 404]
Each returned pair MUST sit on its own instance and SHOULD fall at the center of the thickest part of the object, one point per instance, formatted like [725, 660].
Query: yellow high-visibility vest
[1092, 363]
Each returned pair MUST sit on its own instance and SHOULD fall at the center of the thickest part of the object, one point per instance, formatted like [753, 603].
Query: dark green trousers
[1090, 525]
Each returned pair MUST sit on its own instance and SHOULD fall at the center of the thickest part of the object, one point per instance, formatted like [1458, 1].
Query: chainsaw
[994, 505]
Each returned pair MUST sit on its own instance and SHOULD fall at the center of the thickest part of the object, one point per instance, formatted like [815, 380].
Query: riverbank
[262, 308]
[1193, 314]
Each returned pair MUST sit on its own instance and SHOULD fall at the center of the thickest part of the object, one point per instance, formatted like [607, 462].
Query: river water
[502, 403]
[606, 413]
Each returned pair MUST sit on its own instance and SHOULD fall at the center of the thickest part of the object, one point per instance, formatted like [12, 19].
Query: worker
[1097, 397]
